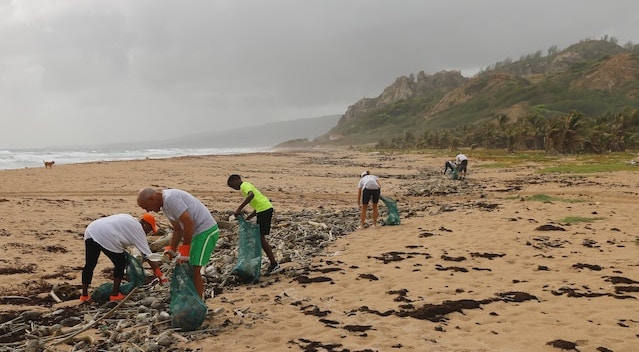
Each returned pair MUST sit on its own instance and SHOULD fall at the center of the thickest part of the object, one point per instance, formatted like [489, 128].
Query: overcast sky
[77, 72]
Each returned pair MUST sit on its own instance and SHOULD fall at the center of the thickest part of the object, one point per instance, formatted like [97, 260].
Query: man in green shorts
[193, 225]
[263, 208]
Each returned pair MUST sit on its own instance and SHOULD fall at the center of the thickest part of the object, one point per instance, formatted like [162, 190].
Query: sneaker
[84, 298]
[273, 269]
[117, 297]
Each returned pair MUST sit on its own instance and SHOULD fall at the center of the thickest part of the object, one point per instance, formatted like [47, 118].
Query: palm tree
[571, 137]
[538, 124]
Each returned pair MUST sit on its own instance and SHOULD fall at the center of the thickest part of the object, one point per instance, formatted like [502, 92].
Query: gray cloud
[96, 71]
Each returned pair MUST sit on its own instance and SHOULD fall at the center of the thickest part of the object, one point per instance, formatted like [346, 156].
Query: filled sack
[249, 253]
[393, 212]
[187, 308]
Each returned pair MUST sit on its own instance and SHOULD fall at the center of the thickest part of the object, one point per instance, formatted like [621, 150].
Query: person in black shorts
[462, 165]
[263, 209]
[368, 189]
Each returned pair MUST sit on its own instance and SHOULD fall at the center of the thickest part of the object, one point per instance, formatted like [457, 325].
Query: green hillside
[532, 103]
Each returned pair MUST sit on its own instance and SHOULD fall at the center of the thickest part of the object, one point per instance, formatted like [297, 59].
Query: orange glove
[184, 250]
[160, 276]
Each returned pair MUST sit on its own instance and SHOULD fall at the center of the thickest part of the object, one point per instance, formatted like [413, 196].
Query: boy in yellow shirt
[262, 208]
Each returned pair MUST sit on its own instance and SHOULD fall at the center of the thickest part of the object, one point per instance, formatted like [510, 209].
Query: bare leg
[375, 214]
[268, 250]
[198, 281]
[116, 287]
[362, 218]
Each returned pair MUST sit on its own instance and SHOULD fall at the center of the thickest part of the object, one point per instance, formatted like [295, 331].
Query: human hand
[169, 251]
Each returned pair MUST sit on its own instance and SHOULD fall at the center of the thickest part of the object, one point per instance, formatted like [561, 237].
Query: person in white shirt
[111, 235]
[462, 164]
[193, 226]
[368, 189]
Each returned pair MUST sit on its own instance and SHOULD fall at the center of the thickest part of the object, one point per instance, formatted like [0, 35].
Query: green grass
[499, 158]
[549, 199]
[495, 166]
[577, 219]
[582, 164]
[502, 157]
[594, 163]
[589, 168]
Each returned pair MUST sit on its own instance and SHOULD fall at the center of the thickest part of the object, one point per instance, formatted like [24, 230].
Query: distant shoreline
[34, 158]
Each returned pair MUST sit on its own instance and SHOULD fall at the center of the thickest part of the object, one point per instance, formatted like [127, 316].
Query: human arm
[247, 200]
[177, 235]
[251, 215]
[188, 228]
[183, 231]
[359, 197]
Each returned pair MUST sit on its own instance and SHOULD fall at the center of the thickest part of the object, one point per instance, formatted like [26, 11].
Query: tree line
[570, 133]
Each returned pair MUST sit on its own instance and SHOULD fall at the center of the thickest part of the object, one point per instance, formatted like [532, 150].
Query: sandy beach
[475, 265]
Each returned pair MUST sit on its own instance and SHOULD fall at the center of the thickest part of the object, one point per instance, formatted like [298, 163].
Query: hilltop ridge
[592, 78]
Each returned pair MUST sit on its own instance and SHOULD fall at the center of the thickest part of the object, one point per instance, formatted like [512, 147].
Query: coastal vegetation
[583, 99]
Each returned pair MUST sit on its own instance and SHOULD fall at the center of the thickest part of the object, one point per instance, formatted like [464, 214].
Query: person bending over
[193, 226]
[462, 164]
[110, 235]
[262, 208]
[368, 189]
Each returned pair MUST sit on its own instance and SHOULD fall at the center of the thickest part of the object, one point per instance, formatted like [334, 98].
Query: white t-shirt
[460, 158]
[368, 182]
[118, 231]
[176, 201]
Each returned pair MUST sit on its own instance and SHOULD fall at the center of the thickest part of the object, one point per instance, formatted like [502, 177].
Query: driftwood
[93, 322]
[159, 244]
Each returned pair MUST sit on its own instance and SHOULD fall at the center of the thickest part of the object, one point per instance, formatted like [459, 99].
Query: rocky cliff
[407, 87]
[592, 76]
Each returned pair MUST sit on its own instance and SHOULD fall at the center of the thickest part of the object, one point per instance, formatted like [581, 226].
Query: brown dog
[48, 164]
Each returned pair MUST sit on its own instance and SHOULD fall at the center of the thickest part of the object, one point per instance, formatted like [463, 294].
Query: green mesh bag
[187, 308]
[102, 293]
[249, 254]
[454, 174]
[136, 274]
[393, 213]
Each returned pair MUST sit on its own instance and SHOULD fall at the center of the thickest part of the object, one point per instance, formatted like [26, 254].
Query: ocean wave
[25, 158]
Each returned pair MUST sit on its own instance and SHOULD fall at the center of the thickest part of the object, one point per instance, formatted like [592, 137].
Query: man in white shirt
[111, 235]
[193, 226]
[368, 188]
[462, 164]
